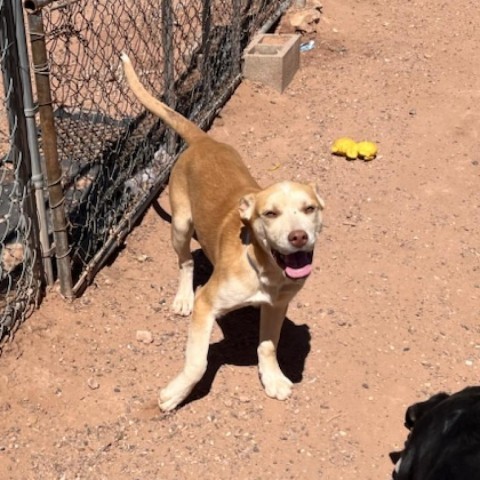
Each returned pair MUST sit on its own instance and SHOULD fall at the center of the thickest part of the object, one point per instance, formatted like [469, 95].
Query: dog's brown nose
[298, 238]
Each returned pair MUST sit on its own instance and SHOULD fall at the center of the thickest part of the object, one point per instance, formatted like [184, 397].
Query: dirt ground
[390, 315]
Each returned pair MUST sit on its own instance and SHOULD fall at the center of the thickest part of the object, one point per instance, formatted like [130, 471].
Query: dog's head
[286, 218]
[416, 411]
[444, 439]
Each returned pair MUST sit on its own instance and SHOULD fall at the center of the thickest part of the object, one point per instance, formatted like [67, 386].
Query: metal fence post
[49, 144]
[29, 109]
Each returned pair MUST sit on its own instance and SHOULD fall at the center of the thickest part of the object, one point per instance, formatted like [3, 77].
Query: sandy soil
[390, 315]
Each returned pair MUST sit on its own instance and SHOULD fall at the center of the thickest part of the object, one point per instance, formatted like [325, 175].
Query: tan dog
[260, 242]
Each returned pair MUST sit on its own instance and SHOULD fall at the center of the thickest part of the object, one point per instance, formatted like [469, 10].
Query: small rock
[143, 258]
[93, 384]
[144, 336]
[304, 21]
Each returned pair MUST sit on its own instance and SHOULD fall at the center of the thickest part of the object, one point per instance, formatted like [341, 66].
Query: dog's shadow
[240, 340]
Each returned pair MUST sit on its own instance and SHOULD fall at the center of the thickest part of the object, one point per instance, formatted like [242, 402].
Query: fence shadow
[240, 340]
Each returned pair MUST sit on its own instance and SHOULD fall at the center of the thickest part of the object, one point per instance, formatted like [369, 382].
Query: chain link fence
[103, 157]
[20, 270]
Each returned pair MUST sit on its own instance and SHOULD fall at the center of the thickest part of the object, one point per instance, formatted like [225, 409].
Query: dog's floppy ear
[316, 190]
[418, 410]
[246, 207]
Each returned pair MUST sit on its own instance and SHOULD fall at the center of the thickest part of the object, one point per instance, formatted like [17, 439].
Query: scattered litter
[307, 46]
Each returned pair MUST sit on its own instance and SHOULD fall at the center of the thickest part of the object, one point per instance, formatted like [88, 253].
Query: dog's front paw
[276, 385]
[174, 393]
[183, 304]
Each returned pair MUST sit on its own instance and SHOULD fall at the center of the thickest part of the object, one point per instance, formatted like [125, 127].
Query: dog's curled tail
[184, 127]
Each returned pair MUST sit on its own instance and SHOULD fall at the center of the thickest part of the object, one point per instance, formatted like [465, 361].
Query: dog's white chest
[260, 297]
[236, 293]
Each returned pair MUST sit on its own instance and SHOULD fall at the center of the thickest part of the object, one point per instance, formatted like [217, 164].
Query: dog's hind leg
[182, 231]
[276, 384]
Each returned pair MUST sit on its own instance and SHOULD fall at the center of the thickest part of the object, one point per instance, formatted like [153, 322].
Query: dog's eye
[270, 214]
[309, 209]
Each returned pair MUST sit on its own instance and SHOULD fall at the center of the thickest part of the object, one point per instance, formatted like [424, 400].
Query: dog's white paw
[276, 385]
[174, 393]
[183, 304]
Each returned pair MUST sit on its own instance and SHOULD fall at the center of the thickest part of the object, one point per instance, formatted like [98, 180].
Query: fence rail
[77, 174]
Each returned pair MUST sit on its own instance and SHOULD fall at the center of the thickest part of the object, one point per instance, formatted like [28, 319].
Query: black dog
[444, 439]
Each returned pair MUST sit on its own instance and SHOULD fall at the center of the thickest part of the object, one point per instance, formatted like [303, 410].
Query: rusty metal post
[49, 143]
[32, 134]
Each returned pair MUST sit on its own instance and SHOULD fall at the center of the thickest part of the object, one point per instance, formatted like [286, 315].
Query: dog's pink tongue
[298, 265]
[298, 272]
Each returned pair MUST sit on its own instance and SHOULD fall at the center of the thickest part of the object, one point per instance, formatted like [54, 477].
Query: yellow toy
[348, 148]
[345, 147]
[367, 150]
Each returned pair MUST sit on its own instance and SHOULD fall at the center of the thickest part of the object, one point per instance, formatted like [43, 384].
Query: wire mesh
[114, 155]
[19, 246]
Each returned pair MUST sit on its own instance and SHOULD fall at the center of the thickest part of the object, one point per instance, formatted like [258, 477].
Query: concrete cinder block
[272, 59]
